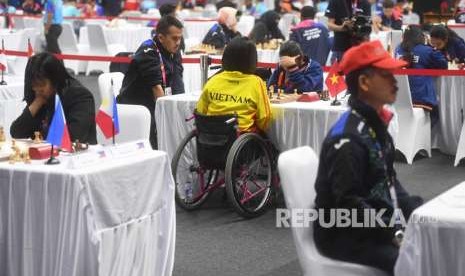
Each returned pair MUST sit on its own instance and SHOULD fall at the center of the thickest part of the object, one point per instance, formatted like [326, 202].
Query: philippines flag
[3, 61]
[107, 116]
[58, 134]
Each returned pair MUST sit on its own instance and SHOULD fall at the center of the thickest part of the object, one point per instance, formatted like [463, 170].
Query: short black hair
[240, 55]
[167, 9]
[443, 32]
[290, 48]
[307, 12]
[388, 4]
[352, 79]
[166, 22]
[44, 66]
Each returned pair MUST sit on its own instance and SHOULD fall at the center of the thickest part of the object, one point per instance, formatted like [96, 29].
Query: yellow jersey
[232, 92]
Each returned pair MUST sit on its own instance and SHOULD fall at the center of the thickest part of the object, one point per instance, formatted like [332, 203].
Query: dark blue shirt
[456, 49]
[313, 39]
[306, 79]
[422, 87]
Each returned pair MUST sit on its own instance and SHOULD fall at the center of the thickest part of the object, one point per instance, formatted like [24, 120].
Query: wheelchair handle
[189, 118]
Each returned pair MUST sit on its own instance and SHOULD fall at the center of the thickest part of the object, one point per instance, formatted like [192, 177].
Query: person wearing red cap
[356, 171]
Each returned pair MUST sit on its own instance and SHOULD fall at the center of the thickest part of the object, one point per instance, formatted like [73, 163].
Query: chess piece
[295, 91]
[37, 137]
[2, 135]
[16, 155]
[270, 91]
[279, 94]
[26, 158]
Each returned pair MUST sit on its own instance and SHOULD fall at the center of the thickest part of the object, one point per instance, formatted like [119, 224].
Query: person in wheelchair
[227, 147]
[237, 90]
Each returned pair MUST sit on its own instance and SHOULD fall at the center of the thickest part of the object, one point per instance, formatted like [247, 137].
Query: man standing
[155, 70]
[53, 19]
[339, 13]
[312, 37]
[356, 172]
[389, 19]
[111, 7]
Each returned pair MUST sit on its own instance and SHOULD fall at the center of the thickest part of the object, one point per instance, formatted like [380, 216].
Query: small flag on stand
[30, 50]
[107, 116]
[335, 80]
[58, 134]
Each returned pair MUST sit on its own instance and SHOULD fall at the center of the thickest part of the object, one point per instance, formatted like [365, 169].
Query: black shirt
[145, 72]
[78, 106]
[341, 9]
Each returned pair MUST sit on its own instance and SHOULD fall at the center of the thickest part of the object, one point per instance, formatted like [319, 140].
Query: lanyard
[354, 6]
[390, 182]
[162, 65]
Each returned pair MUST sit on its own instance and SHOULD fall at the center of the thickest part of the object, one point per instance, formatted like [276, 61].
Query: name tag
[87, 159]
[168, 91]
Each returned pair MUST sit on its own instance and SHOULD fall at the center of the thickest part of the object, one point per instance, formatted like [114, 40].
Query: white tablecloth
[131, 37]
[294, 124]
[433, 243]
[11, 101]
[451, 94]
[198, 29]
[116, 218]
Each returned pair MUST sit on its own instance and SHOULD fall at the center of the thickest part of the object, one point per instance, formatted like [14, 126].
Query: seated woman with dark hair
[45, 77]
[421, 56]
[237, 90]
[222, 32]
[448, 42]
[295, 71]
[266, 28]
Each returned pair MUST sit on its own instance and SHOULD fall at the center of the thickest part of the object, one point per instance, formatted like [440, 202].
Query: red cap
[366, 54]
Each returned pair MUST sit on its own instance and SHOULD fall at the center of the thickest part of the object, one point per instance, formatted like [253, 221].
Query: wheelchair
[214, 155]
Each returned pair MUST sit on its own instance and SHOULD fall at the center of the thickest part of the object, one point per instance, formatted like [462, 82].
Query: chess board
[284, 98]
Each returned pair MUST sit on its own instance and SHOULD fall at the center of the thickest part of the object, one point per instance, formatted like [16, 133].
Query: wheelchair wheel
[191, 181]
[248, 175]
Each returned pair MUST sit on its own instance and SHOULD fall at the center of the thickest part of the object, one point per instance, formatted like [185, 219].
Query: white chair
[461, 147]
[19, 22]
[245, 24]
[99, 46]
[134, 124]
[298, 169]
[105, 79]
[68, 45]
[414, 123]
[17, 65]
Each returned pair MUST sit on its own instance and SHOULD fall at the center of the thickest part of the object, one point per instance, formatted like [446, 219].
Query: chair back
[298, 170]
[396, 38]
[403, 104]
[97, 41]
[134, 125]
[67, 40]
[215, 136]
[104, 83]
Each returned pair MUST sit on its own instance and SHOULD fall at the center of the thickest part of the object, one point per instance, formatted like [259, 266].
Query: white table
[198, 28]
[433, 243]
[11, 101]
[451, 95]
[293, 125]
[131, 37]
[113, 218]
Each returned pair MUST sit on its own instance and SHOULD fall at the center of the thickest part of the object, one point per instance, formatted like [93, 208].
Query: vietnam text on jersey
[232, 92]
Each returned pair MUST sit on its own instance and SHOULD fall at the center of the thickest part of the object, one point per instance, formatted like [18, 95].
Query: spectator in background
[70, 10]
[89, 9]
[260, 8]
[224, 31]
[111, 7]
[420, 56]
[295, 71]
[30, 7]
[448, 42]
[266, 28]
[312, 37]
[338, 13]
[388, 19]
[408, 16]
[225, 3]
[53, 19]
[248, 8]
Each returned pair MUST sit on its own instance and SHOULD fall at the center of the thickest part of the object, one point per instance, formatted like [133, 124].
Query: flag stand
[52, 160]
[3, 82]
[336, 102]
[113, 131]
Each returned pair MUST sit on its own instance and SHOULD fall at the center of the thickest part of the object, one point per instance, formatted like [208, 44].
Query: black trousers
[52, 38]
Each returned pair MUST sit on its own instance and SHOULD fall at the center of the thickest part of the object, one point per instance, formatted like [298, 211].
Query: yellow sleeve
[263, 117]
[202, 104]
